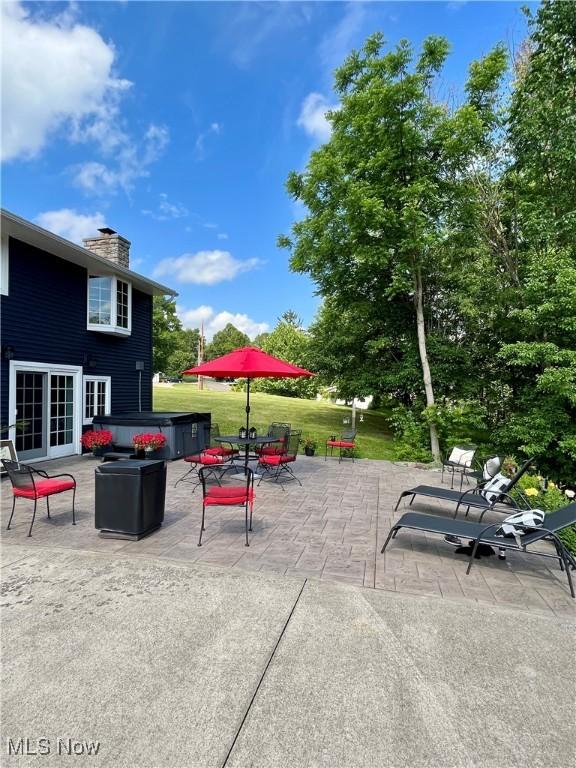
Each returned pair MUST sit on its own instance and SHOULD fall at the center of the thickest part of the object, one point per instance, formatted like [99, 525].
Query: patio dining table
[246, 442]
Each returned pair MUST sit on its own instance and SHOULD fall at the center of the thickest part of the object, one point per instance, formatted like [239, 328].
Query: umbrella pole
[247, 449]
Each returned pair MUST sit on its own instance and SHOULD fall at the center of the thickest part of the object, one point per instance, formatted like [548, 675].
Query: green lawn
[317, 419]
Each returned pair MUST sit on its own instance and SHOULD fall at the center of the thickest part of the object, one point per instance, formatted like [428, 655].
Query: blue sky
[176, 124]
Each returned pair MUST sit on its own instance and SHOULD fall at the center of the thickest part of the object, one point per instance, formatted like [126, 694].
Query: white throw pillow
[494, 487]
[520, 523]
[462, 456]
[491, 467]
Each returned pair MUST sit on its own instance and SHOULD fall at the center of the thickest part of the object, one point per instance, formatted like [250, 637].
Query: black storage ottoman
[130, 497]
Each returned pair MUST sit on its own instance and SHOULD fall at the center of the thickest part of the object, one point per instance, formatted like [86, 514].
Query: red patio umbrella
[249, 363]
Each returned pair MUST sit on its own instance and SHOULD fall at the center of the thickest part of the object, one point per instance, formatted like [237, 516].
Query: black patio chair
[198, 459]
[217, 449]
[460, 460]
[345, 444]
[274, 465]
[220, 489]
[25, 485]
[485, 534]
[279, 430]
[486, 495]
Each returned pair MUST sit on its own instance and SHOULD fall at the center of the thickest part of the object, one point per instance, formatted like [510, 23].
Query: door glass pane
[29, 396]
[61, 410]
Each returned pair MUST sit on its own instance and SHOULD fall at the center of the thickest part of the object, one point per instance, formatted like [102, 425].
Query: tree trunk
[421, 329]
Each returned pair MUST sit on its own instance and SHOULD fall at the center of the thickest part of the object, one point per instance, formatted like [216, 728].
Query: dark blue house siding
[44, 319]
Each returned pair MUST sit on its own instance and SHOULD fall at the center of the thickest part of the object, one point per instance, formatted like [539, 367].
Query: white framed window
[109, 305]
[97, 397]
[4, 265]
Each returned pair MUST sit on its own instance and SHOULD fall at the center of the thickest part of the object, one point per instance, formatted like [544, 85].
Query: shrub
[96, 438]
[549, 499]
[149, 441]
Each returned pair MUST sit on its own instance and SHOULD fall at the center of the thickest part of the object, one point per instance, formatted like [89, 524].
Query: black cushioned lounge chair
[484, 534]
[480, 497]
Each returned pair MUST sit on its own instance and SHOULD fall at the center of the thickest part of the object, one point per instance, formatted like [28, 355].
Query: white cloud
[204, 267]
[216, 321]
[222, 236]
[253, 28]
[339, 41]
[167, 210]
[215, 129]
[70, 224]
[132, 162]
[313, 116]
[55, 73]
[192, 318]
[456, 5]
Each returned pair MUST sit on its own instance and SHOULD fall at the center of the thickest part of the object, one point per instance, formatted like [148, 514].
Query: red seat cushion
[202, 458]
[340, 444]
[271, 450]
[219, 451]
[44, 488]
[274, 461]
[231, 494]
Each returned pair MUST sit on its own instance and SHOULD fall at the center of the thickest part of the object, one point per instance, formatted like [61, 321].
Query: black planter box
[130, 498]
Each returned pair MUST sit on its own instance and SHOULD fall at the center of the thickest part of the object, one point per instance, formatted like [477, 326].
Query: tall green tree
[166, 327]
[541, 358]
[382, 193]
[288, 341]
[226, 340]
[186, 353]
[260, 339]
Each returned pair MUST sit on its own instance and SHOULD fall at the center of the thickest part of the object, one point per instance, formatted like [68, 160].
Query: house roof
[30, 233]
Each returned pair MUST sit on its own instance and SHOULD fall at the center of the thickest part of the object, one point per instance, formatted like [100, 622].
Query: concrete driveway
[166, 664]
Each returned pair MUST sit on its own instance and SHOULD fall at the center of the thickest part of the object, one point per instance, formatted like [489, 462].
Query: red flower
[96, 438]
[149, 441]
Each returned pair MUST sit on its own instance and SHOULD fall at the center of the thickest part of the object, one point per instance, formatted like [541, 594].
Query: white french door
[61, 422]
[46, 403]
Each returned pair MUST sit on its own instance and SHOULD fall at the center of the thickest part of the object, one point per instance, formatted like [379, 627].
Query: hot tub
[186, 433]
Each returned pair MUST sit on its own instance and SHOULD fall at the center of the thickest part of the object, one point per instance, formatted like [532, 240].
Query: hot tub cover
[150, 418]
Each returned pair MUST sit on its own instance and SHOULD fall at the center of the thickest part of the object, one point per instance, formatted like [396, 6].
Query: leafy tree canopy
[225, 341]
[166, 326]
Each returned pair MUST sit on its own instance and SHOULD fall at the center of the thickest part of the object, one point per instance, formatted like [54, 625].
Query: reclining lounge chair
[485, 534]
[484, 496]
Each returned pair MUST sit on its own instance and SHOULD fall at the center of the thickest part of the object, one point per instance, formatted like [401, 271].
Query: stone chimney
[111, 246]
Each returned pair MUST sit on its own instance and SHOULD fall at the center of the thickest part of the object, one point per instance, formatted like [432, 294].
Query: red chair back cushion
[231, 494]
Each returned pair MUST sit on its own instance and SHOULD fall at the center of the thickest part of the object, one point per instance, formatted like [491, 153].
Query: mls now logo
[44, 746]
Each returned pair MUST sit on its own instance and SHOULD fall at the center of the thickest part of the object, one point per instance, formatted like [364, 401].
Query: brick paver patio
[330, 529]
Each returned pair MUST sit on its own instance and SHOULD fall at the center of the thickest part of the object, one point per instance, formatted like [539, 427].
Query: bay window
[109, 305]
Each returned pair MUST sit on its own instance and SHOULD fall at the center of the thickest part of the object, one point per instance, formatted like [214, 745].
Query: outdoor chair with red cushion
[275, 465]
[345, 443]
[219, 488]
[280, 430]
[215, 449]
[30, 483]
[197, 461]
